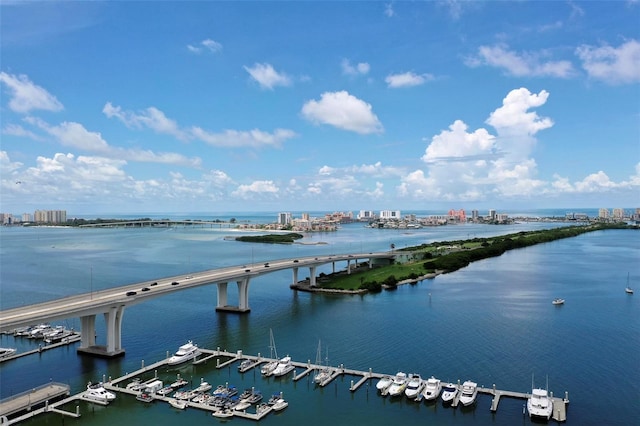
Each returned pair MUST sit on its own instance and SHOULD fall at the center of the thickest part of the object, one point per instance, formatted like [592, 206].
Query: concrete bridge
[112, 302]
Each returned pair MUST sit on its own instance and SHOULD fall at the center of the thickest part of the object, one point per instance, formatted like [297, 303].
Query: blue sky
[319, 106]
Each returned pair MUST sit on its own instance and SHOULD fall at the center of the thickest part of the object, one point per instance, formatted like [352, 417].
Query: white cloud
[513, 116]
[27, 96]
[17, 130]
[407, 79]
[612, 65]
[151, 118]
[526, 64]
[257, 188]
[457, 144]
[344, 111]
[207, 44]
[361, 68]
[267, 77]
[252, 138]
[7, 165]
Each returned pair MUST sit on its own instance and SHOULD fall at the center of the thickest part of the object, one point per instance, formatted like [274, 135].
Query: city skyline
[276, 106]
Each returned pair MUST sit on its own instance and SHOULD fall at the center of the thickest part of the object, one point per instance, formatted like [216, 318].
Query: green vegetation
[271, 238]
[448, 256]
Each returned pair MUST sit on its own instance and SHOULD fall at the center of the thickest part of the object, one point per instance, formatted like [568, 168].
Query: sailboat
[268, 368]
[324, 372]
[628, 289]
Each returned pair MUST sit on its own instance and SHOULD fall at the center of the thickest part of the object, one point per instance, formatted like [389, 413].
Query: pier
[75, 337]
[224, 359]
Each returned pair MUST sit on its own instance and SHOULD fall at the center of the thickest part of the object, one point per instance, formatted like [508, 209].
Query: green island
[413, 264]
[288, 238]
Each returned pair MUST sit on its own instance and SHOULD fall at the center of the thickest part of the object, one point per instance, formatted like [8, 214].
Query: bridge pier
[243, 297]
[312, 276]
[295, 276]
[113, 322]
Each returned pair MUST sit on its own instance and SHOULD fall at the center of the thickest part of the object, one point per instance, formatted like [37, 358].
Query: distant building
[492, 214]
[603, 213]
[475, 215]
[390, 215]
[50, 216]
[457, 216]
[26, 217]
[366, 215]
[284, 218]
[618, 214]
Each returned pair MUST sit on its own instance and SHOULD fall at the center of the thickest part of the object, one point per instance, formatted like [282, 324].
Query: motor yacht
[6, 352]
[97, 392]
[284, 366]
[204, 386]
[384, 383]
[539, 404]
[177, 403]
[432, 389]
[280, 404]
[414, 386]
[186, 352]
[399, 384]
[469, 393]
[449, 392]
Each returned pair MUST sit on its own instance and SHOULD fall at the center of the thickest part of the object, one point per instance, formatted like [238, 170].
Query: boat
[144, 397]
[204, 386]
[468, 393]
[285, 366]
[279, 405]
[399, 384]
[384, 383]
[268, 368]
[186, 352]
[628, 288]
[97, 392]
[179, 383]
[262, 408]
[324, 371]
[245, 365]
[414, 386]
[7, 352]
[224, 413]
[177, 403]
[449, 393]
[432, 388]
[165, 391]
[539, 404]
[558, 301]
[251, 396]
[136, 385]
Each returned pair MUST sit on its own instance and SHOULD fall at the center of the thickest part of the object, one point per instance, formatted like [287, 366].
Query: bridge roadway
[111, 302]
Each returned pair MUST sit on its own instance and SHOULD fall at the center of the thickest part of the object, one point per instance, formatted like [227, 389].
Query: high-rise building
[284, 218]
[50, 216]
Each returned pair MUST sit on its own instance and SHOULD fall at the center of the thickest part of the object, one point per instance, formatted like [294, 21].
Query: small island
[288, 238]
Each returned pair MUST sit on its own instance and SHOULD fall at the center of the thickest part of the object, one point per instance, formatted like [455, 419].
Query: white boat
[628, 288]
[384, 383]
[268, 368]
[399, 384]
[252, 396]
[165, 391]
[6, 352]
[179, 383]
[204, 386]
[468, 393]
[177, 403]
[324, 371]
[97, 392]
[432, 388]
[245, 365]
[539, 404]
[279, 405]
[285, 366]
[449, 392]
[558, 301]
[222, 414]
[414, 386]
[144, 397]
[186, 352]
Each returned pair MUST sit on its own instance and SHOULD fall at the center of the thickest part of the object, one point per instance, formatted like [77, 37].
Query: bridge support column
[87, 331]
[222, 295]
[333, 266]
[113, 319]
[295, 276]
[312, 276]
[348, 267]
[243, 295]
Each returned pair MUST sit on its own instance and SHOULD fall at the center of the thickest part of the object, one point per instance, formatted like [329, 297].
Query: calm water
[491, 322]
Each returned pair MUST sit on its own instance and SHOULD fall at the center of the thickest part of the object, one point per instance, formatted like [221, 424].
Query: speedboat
[558, 301]
[177, 403]
[204, 386]
[539, 404]
[449, 392]
[244, 365]
[284, 366]
[469, 393]
[179, 383]
[399, 384]
[432, 388]
[97, 392]
[414, 386]
[165, 391]
[251, 396]
[224, 413]
[280, 404]
[144, 397]
[384, 383]
[6, 352]
[184, 353]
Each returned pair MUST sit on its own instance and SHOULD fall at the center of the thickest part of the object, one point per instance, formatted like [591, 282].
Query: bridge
[112, 302]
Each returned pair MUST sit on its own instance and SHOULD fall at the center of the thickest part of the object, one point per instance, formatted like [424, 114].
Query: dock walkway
[35, 397]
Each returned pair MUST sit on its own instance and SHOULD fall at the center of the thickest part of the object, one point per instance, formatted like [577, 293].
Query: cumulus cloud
[459, 145]
[525, 64]
[407, 79]
[257, 188]
[267, 77]
[205, 45]
[344, 111]
[514, 116]
[252, 138]
[361, 68]
[27, 96]
[612, 65]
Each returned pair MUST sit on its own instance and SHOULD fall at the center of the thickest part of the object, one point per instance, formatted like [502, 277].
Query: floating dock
[33, 398]
[73, 338]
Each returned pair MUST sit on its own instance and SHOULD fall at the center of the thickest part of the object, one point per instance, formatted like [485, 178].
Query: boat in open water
[558, 301]
[628, 288]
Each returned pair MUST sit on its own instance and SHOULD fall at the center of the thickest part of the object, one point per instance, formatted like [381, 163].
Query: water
[492, 322]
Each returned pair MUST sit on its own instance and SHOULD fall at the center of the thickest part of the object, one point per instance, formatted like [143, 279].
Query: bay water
[491, 322]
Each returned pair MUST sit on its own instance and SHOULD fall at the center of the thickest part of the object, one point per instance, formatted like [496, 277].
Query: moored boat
[179, 404]
[203, 387]
[539, 404]
[432, 389]
[414, 386]
[97, 392]
[399, 384]
[284, 366]
[280, 404]
[268, 368]
[449, 392]
[384, 383]
[7, 352]
[468, 393]
[186, 352]
[144, 397]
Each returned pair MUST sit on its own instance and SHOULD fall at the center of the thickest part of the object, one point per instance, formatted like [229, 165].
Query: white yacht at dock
[186, 352]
